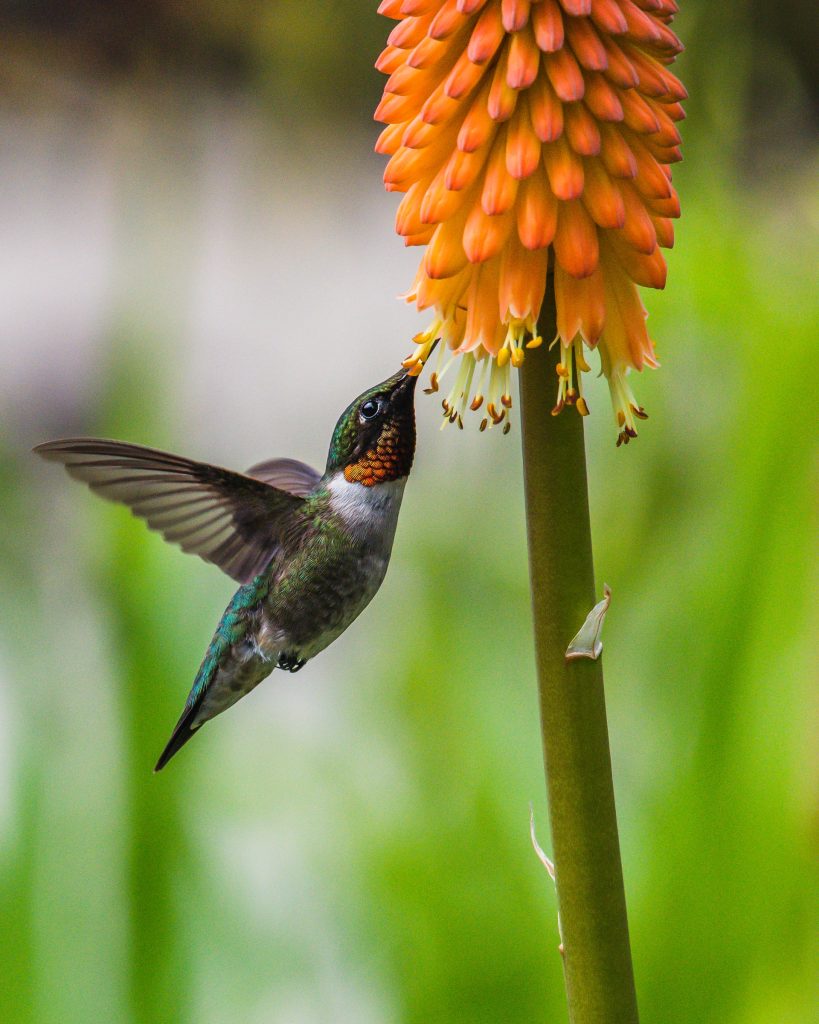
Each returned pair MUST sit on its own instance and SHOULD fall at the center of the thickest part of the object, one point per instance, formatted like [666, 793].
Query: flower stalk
[591, 900]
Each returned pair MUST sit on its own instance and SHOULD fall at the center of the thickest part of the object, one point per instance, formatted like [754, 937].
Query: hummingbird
[310, 550]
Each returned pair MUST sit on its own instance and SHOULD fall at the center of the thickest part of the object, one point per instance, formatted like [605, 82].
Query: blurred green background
[198, 255]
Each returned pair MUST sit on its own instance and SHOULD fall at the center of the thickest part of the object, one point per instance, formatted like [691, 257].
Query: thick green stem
[591, 899]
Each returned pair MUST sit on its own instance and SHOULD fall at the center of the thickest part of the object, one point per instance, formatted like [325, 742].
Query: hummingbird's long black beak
[406, 378]
[400, 382]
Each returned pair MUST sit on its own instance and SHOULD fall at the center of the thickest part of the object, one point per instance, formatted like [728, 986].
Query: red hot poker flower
[532, 137]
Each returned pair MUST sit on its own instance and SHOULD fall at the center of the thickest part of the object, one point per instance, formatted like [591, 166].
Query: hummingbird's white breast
[369, 513]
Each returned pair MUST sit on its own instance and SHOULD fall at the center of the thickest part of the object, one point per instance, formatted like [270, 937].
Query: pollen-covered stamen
[499, 392]
[477, 400]
[519, 335]
[456, 400]
[569, 370]
[451, 413]
[626, 408]
[424, 343]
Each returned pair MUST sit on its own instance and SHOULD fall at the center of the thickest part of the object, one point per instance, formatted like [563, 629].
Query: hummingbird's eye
[370, 409]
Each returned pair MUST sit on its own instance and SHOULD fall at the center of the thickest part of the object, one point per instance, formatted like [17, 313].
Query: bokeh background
[197, 254]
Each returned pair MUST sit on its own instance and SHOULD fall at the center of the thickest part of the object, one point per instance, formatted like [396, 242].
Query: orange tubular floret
[408, 219]
[576, 7]
[582, 132]
[537, 212]
[647, 269]
[447, 21]
[408, 34]
[445, 254]
[524, 60]
[576, 244]
[522, 280]
[484, 236]
[515, 14]
[565, 75]
[565, 169]
[462, 169]
[439, 203]
[487, 36]
[586, 44]
[502, 97]
[523, 148]
[547, 22]
[500, 189]
[618, 159]
[608, 17]
[601, 99]
[581, 305]
[602, 198]
[620, 70]
[546, 111]
[637, 229]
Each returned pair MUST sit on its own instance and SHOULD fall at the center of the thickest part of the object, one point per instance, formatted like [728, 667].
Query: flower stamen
[570, 380]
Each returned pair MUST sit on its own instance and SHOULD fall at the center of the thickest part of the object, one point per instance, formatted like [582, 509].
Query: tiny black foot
[290, 662]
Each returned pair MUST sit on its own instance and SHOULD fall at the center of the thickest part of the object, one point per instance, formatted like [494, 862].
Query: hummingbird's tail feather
[233, 665]
[184, 730]
[191, 718]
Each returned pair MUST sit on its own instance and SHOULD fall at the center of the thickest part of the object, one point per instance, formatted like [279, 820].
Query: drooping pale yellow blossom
[533, 137]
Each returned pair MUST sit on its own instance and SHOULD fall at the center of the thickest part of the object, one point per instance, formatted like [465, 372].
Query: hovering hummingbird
[309, 550]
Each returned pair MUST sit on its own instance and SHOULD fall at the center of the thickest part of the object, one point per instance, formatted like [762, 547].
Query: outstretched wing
[288, 474]
[231, 520]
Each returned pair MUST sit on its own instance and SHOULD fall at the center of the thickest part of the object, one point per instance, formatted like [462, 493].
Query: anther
[482, 427]
[639, 412]
[517, 356]
[507, 427]
[503, 357]
[558, 409]
[477, 402]
[534, 342]
[581, 406]
[506, 401]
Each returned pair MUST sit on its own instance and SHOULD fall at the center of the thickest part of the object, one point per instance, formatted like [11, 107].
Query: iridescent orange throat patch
[391, 459]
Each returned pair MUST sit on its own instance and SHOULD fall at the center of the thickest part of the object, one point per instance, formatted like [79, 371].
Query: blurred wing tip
[74, 446]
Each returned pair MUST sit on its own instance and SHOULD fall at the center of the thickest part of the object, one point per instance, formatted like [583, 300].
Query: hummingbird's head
[374, 440]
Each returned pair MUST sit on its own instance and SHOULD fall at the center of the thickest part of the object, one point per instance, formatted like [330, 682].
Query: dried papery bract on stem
[533, 137]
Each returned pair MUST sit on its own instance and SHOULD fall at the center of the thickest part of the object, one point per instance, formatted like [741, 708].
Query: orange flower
[533, 137]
